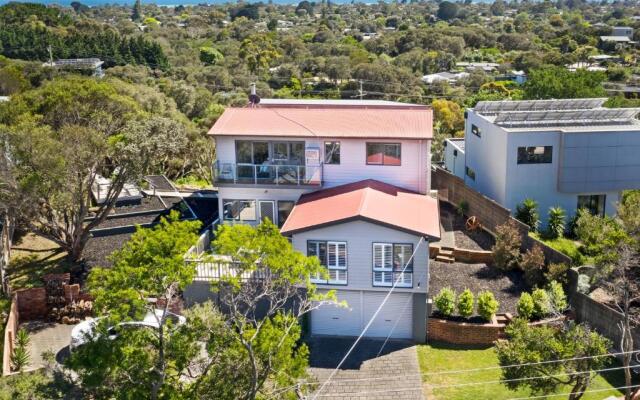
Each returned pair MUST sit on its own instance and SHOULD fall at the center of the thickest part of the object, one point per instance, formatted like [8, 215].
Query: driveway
[47, 337]
[374, 370]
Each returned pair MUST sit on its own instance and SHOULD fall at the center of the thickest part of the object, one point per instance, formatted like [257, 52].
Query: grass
[564, 245]
[441, 357]
[193, 182]
[31, 258]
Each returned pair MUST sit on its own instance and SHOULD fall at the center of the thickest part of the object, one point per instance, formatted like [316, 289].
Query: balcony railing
[267, 174]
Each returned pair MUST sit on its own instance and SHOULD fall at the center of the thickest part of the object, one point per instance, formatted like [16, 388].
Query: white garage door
[394, 319]
[339, 321]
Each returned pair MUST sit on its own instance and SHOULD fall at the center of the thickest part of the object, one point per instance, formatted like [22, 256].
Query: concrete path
[47, 336]
[369, 373]
[448, 238]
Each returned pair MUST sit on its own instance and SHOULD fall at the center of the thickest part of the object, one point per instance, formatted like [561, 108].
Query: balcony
[267, 174]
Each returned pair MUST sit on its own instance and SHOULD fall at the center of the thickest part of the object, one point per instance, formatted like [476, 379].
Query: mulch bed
[506, 287]
[477, 240]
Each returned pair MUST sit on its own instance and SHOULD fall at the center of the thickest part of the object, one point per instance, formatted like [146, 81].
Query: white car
[82, 332]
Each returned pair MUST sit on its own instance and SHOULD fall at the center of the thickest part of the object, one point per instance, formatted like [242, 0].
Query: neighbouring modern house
[449, 77]
[454, 156]
[622, 31]
[568, 153]
[348, 182]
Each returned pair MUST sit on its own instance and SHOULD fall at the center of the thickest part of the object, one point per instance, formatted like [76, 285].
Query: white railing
[203, 244]
[214, 270]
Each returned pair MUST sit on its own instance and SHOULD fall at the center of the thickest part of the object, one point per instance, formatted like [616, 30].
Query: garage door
[339, 321]
[394, 319]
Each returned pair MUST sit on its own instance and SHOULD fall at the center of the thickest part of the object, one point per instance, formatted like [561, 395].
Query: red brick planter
[469, 333]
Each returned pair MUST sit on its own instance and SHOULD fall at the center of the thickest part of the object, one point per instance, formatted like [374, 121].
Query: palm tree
[556, 222]
[527, 212]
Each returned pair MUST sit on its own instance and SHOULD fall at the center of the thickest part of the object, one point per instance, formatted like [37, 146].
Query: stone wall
[9, 337]
[491, 214]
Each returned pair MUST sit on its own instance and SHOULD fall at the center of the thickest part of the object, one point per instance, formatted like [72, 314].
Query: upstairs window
[239, 210]
[535, 155]
[332, 255]
[332, 152]
[594, 203]
[384, 154]
[475, 130]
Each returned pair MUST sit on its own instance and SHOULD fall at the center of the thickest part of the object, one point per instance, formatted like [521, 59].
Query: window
[475, 130]
[595, 203]
[284, 209]
[389, 260]
[239, 210]
[470, 173]
[248, 152]
[383, 154]
[332, 152]
[333, 255]
[535, 155]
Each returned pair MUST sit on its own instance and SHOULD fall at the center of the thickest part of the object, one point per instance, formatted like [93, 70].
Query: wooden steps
[445, 255]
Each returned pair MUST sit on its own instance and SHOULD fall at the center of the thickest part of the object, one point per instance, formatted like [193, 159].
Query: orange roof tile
[368, 200]
[383, 122]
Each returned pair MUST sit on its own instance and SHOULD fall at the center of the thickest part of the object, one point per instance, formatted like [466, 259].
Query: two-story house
[348, 181]
[568, 153]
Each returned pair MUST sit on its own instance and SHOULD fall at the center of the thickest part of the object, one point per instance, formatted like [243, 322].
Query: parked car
[85, 330]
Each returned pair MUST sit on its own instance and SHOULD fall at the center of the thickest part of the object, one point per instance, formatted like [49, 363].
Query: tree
[559, 83]
[556, 222]
[487, 305]
[497, 8]
[527, 212]
[57, 139]
[445, 301]
[447, 10]
[525, 306]
[506, 250]
[465, 303]
[258, 51]
[528, 346]
[533, 266]
[136, 13]
[261, 314]
[143, 362]
[210, 55]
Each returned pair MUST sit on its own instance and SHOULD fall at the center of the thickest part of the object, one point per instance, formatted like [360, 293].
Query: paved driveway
[371, 371]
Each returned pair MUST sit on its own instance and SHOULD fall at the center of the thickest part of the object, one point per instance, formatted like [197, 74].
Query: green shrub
[465, 303]
[527, 212]
[557, 272]
[19, 358]
[533, 266]
[541, 305]
[506, 250]
[555, 224]
[445, 301]
[463, 208]
[22, 338]
[525, 306]
[487, 305]
[557, 298]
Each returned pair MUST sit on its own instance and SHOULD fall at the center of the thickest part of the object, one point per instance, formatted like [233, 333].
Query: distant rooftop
[581, 114]
[458, 142]
[333, 103]
[76, 63]
[615, 38]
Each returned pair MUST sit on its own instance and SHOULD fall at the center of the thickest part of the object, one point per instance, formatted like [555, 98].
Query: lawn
[437, 357]
[565, 246]
[31, 258]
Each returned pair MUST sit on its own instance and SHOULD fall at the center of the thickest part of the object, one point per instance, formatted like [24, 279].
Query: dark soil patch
[476, 240]
[506, 287]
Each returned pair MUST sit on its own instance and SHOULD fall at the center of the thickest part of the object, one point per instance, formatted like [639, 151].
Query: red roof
[381, 121]
[368, 200]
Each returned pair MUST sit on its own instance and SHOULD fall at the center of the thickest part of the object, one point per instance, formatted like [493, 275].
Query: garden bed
[476, 240]
[506, 287]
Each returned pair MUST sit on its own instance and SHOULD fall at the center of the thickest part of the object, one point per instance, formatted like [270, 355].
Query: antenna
[253, 97]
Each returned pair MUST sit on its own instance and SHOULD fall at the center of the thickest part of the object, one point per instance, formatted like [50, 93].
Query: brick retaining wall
[32, 303]
[491, 214]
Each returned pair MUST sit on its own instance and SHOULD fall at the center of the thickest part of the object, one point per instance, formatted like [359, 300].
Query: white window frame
[338, 269]
[383, 273]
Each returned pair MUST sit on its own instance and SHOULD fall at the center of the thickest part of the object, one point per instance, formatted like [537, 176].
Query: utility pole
[50, 55]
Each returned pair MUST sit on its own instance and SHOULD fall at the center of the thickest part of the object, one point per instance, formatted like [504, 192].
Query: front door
[268, 210]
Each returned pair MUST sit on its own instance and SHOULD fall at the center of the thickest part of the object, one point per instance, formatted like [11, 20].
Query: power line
[370, 320]
[568, 394]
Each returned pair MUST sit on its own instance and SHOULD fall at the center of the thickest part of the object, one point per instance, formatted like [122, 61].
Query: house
[348, 182]
[568, 153]
[450, 77]
[622, 31]
[519, 77]
[454, 156]
[88, 64]
[471, 66]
